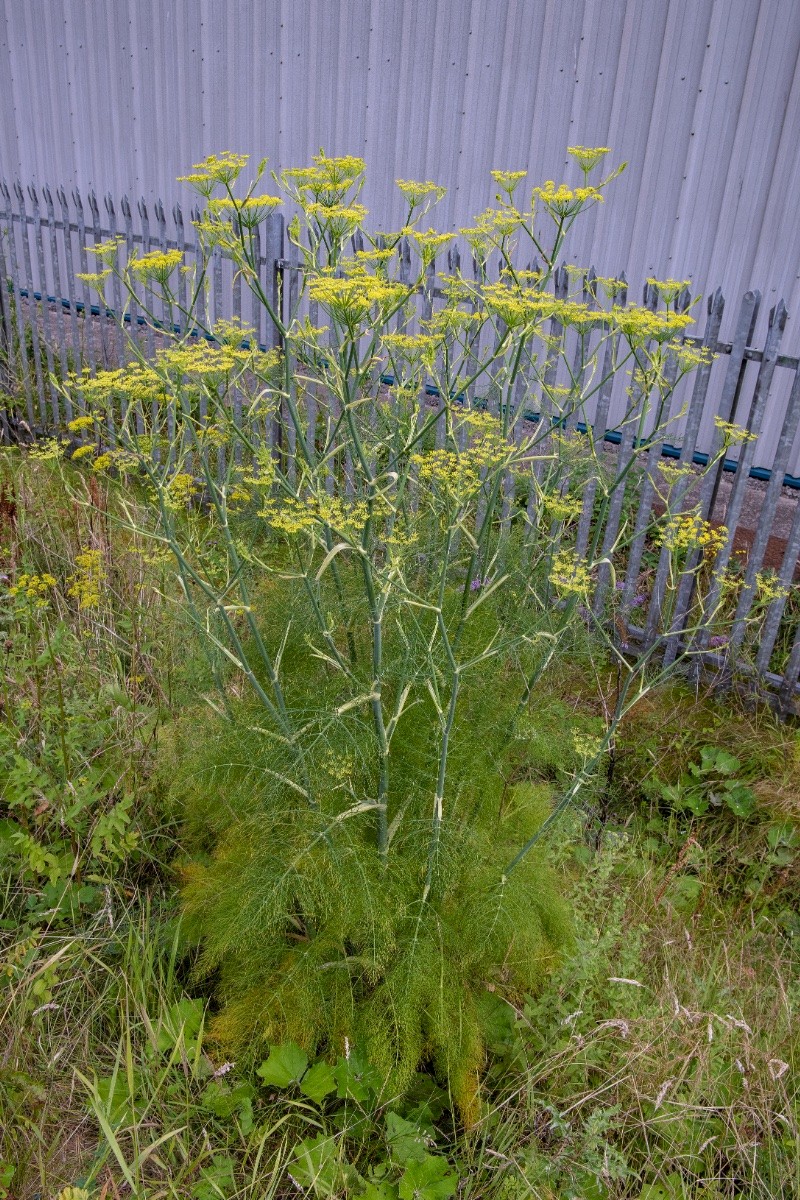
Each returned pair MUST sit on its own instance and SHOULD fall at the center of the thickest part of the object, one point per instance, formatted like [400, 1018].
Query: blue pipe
[613, 436]
[699, 458]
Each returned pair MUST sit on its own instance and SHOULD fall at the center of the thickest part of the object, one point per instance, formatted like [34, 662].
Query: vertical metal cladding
[703, 99]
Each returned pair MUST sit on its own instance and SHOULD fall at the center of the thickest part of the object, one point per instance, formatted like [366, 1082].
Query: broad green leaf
[431, 1179]
[183, 1019]
[740, 799]
[318, 1082]
[355, 1079]
[712, 758]
[216, 1180]
[670, 1188]
[224, 1101]
[380, 1190]
[317, 1166]
[405, 1140]
[116, 1100]
[695, 801]
[285, 1065]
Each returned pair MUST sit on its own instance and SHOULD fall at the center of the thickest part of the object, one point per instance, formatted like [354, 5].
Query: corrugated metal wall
[701, 96]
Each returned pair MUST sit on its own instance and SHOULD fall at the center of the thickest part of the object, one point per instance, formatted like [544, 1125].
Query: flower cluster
[770, 587]
[338, 220]
[346, 518]
[561, 508]
[107, 251]
[86, 585]
[588, 157]
[33, 589]
[352, 301]
[77, 424]
[689, 531]
[640, 325]
[669, 289]
[420, 193]
[157, 264]
[216, 169]
[509, 181]
[180, 491]
[327, 182]
[413, 347]
[428, 243]
[569, 575]
[250, 204]
[490, 228]
[456, 475]
[733, 434]
[563, 202]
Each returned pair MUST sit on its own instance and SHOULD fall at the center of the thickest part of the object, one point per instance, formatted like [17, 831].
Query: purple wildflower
[638, 600]
[719, 639]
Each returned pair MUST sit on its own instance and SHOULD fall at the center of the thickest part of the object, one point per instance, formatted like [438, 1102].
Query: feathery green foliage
[315, 938]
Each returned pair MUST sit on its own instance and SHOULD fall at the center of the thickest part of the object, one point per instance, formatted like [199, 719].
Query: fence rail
[49, 325]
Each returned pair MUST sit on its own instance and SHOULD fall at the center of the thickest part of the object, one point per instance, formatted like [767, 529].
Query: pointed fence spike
[142, 206]
[125, 206]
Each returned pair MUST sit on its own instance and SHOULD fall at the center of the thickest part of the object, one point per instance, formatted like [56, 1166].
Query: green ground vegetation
[627, 1029]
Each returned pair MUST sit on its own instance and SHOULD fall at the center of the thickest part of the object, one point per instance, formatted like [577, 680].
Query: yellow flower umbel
[80, 423]
[419, 194]
[508, 181]
[569, 576]
[733, 434]
[641, 325]
[180, 491]
[158, 265]
[412, 348]
[428, 243]
[327, 182]
[770, 588]
[87, 584]
[353, 301]
[340, 221]
[563, 202]
[346, 518]
[587, 157]
[250, 208]
[456, 476]
[214, 170]
[107, 251]
[33, 589]
[689, 531]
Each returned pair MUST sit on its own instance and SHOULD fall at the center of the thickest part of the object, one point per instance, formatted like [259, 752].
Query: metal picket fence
[49, 325]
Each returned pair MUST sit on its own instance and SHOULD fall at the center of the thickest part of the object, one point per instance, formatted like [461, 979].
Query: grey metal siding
[701, 96]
